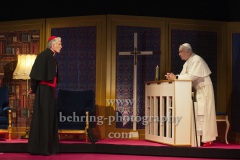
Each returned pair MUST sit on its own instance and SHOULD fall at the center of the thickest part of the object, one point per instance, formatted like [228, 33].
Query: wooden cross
[135, 53]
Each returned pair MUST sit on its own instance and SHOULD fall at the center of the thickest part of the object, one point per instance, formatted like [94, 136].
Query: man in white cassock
[197, 70]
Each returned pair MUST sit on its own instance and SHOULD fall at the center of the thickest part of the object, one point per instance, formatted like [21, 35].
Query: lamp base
[26, 136]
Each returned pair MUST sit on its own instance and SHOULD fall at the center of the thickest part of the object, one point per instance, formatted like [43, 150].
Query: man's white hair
[187, 46]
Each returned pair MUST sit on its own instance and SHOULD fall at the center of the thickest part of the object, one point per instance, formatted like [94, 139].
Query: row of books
[17, 88]
[15, 37]
[24, 49]
[19, 112]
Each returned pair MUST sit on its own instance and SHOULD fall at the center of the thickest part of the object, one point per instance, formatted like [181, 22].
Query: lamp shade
[24, 66]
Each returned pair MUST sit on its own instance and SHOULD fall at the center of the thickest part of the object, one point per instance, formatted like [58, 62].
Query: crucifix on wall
[135, 53]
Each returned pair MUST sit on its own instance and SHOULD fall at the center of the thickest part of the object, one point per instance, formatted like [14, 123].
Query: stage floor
[132, 147]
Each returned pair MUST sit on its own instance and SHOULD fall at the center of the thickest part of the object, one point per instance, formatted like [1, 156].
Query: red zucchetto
[51, 38]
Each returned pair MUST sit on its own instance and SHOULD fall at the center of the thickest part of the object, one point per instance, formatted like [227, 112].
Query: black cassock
[43, 135]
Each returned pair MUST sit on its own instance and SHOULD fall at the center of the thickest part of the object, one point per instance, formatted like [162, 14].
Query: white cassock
[196, 69]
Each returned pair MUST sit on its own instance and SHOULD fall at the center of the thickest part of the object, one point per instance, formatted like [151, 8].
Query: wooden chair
[5, 113]
[223, 117]
[74, 109]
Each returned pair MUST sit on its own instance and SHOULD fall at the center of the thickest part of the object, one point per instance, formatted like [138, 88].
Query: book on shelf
[25, 48]
[24, 87]
[2, 47]
[17, 50]
[35, 36]
[11, 101]
[21, 122]
[17, 91]
[2, 63]
[24, 112]
[10, 50]
[14, 38]
[34, 47]
[2, 36]
[8, 58]
[23, 101]
[26, 37]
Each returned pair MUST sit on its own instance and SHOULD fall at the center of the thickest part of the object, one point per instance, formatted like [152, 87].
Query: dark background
[195, 9]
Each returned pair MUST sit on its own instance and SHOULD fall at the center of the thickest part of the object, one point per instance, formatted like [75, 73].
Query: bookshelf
[12, 44]
[19, 37]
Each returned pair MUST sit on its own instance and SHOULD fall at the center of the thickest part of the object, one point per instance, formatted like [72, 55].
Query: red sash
[53, 84]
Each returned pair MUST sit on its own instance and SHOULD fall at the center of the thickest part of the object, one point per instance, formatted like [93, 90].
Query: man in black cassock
[43, 135]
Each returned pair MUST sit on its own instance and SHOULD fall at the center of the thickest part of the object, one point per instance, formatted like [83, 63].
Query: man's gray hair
[49, 44]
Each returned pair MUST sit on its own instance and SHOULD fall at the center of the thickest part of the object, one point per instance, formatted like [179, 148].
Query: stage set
[153, 97]
[161, 137]
[132, 147]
